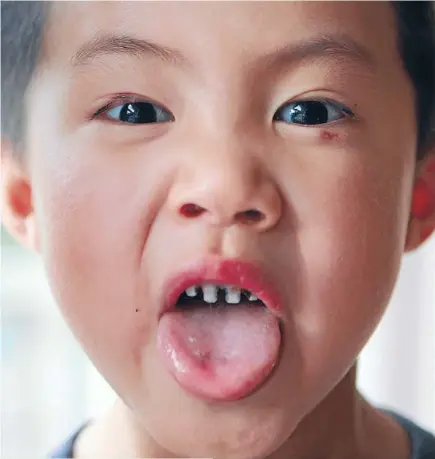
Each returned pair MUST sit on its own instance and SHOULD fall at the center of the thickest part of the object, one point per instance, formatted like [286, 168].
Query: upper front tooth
[210, 293]
[252, 297]
[232, 295]
[192, 291]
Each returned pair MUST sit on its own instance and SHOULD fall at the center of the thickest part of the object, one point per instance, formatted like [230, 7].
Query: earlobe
[417, 235]
[18, 215]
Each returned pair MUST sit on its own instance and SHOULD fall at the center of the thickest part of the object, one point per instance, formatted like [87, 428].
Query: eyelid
[113, 102]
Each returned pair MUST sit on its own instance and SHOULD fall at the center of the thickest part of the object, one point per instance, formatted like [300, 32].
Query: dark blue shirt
[422, 442]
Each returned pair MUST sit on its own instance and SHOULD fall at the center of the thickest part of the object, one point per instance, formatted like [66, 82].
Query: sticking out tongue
[220, 352]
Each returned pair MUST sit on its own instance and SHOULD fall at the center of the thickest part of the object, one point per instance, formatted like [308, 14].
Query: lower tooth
[232, 295]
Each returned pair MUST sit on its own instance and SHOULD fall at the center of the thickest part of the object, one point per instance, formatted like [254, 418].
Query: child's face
[332, 198]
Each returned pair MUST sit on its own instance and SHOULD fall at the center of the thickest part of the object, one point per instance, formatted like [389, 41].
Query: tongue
[220, 353]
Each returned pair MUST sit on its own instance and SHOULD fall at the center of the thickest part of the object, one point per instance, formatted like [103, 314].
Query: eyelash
[117, 100]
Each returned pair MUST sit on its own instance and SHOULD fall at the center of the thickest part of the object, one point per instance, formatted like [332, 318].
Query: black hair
[22, 28]
[416, 42]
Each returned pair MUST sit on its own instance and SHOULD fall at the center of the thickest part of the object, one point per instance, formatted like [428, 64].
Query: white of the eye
[334, 112]
[161, 114]
[114, 112]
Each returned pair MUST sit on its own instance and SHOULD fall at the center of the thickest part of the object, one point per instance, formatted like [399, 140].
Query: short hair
[22, 28]
[416, 43]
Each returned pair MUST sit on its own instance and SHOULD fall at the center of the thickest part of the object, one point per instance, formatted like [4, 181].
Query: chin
[240, 435]
[180, 424]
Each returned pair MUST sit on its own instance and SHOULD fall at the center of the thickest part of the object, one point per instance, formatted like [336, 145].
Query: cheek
[351, 242]
[94, 216]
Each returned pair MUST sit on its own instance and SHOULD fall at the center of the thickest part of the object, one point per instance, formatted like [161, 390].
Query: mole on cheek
[326, 135]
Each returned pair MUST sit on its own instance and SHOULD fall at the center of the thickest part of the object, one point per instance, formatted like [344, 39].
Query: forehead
[218, 32]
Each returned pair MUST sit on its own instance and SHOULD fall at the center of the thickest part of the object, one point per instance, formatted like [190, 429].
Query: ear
[18, 215]
[422, 219]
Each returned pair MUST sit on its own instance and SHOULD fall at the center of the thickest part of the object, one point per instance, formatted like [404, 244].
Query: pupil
[140, 112]
[310, 112]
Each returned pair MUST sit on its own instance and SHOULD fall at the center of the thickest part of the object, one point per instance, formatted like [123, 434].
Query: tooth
[210, 293]
[232, 295]
[252, 297]
[191, 292]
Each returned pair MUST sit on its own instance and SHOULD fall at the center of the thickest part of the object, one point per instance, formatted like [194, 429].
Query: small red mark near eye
[329, 135]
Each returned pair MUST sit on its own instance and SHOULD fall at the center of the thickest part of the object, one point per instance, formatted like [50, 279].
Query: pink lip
[243, 274]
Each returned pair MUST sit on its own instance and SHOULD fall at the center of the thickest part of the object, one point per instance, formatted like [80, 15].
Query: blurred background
[49, 387]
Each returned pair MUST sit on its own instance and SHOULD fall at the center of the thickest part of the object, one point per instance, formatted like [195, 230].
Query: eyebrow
[126, 46]
[337, 47]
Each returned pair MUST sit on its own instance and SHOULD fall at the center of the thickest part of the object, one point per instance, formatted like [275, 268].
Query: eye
[311, 112]
[138, 113]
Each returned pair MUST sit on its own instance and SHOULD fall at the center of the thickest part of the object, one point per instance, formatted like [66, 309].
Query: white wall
[397, 367]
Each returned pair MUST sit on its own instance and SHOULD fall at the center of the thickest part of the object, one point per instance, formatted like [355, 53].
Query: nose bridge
[224, 182]
[229, 174]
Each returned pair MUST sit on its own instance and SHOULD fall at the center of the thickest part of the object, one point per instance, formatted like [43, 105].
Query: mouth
[219, 330]
[218, 281]
[216, 296]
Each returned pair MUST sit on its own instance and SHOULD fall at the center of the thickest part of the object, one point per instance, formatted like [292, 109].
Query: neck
[333, 430]
[343, 425]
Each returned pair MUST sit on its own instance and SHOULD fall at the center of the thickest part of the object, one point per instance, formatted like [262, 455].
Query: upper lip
[243, 274]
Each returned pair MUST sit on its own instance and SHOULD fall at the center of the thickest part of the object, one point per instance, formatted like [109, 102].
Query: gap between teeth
[210, 293]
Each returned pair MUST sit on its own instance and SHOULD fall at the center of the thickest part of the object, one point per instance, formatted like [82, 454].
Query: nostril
[250, 216]
[191, 210]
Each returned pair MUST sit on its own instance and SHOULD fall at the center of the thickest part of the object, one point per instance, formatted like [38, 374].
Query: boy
[222, 194]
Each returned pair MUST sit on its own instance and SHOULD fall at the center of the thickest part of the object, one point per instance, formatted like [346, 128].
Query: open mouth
[216, 296]
[219, 332]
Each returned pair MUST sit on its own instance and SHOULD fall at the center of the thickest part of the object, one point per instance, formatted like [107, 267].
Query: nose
[223, 187]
